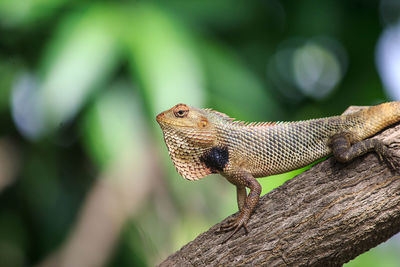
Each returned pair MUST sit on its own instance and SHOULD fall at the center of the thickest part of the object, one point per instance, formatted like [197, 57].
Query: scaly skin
[203, 141]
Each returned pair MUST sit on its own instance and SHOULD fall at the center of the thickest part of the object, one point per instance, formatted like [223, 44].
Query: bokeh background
[85, 178]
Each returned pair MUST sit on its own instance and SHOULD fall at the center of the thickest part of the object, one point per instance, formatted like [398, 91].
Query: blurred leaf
[78, 60]
[7, 72]
[163, 58]
[209, 11]
[110, 126]
[23, 12]
[233, 85]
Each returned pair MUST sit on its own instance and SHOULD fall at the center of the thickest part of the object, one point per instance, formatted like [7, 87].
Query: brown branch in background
[116, 195]
[327, 215]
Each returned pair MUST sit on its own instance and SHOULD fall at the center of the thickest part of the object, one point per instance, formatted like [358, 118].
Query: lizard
[204, 141]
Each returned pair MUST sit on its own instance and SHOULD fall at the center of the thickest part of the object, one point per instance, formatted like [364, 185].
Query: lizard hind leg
[344, 151]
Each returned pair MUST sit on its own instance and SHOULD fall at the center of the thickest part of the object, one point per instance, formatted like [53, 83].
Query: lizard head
[188, 133]
[183, 117]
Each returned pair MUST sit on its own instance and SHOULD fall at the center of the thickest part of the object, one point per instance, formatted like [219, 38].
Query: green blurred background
[85, 178]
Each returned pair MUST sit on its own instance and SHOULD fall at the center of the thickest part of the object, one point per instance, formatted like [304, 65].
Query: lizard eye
[181, 110]
[180, 113]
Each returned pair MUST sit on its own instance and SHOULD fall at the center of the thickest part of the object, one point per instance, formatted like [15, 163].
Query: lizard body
[203, 141]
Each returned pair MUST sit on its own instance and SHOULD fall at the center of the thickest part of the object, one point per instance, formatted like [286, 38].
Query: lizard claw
[392, 160]
[234, 225]
[226, 227]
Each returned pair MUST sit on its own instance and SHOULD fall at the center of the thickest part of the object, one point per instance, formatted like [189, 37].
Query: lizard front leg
[242, 179]
[241, 196]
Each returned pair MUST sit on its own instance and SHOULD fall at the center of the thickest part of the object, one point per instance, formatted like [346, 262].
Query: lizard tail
[376, 118]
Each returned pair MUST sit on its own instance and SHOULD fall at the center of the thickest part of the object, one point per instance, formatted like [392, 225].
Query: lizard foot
[234, 225]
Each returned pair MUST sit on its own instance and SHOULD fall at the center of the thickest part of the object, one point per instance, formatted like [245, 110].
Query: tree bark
[327, 216]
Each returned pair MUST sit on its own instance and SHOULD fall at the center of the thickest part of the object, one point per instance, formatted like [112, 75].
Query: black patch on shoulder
[216, 158]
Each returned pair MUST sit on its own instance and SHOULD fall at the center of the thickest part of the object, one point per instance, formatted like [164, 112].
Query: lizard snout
[160, 117]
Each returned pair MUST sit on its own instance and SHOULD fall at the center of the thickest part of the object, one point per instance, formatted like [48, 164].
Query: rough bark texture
[327, 215]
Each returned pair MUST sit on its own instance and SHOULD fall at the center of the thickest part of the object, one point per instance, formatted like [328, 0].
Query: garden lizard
[203, 141]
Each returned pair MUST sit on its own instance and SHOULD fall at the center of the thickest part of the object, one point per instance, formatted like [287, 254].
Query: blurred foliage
[82, 81]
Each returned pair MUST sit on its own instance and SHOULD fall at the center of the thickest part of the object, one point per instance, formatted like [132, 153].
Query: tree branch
[327, 215]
